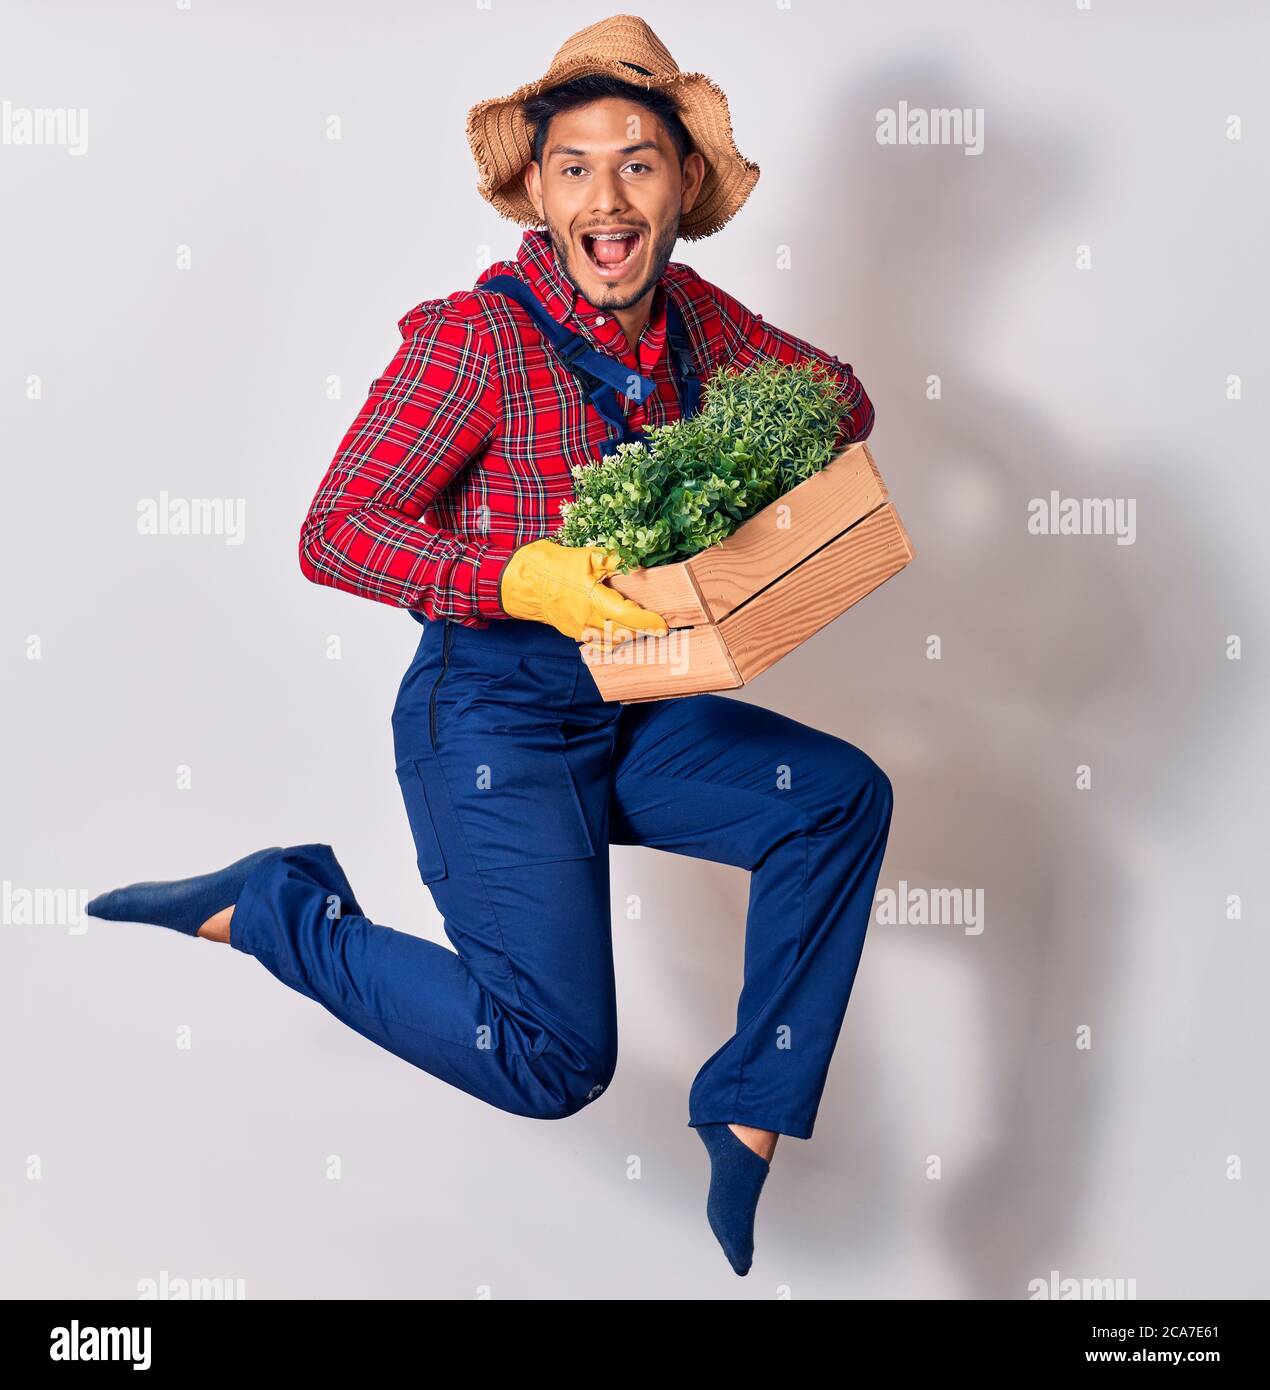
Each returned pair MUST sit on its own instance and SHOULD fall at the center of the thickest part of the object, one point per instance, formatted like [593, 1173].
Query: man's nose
[607, 192]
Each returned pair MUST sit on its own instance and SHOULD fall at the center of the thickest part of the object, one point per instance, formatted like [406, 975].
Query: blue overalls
[601, 375]
[516, 777]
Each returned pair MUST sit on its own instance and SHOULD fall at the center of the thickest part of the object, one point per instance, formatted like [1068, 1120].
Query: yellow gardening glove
[565, 586]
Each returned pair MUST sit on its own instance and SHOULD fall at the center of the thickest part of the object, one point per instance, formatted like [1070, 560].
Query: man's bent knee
[565, 1091]
[862, 787]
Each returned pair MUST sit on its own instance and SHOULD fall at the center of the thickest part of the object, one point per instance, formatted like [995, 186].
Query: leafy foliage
[761, 430]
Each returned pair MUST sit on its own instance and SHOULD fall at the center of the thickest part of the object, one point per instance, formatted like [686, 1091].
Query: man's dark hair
[540, 108]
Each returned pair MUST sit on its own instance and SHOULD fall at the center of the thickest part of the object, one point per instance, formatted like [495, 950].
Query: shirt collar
[536, 263]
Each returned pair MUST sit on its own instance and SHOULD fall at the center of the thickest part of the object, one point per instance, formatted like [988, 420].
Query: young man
[516, 775]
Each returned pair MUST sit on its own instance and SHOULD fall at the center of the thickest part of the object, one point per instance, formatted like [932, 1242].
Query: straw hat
[622, 46]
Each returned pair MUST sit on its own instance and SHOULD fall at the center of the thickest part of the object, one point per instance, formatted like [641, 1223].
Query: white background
[1105, 908]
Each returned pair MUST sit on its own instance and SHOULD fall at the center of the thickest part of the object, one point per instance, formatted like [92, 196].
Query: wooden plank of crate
[820, 589]
[665, 589]
[872, 462]
[711, 584]
[686, 661]
[762, 549]
[908, 544]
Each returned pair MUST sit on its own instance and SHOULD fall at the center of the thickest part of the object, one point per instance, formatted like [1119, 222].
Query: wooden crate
[738, 607]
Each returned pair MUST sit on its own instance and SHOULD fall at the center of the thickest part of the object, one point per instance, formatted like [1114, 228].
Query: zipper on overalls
[432, 699]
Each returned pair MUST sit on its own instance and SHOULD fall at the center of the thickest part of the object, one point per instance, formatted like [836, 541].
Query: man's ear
[533, 185]
[694, 175]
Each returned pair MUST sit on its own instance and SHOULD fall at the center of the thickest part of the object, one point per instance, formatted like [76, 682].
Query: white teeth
[632, 237]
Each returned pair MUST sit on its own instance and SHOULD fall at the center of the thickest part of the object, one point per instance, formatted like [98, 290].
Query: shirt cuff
[489, 570]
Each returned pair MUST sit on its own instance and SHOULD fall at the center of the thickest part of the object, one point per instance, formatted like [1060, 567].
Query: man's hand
[566, 587]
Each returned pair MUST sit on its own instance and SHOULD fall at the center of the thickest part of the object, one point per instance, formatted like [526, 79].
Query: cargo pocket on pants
[520, 805]
[428, 853]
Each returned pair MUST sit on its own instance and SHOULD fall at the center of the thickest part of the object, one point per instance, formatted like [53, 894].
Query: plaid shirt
[463, 449]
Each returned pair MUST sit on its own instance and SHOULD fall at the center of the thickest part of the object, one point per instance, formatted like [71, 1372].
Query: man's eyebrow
[626, 149]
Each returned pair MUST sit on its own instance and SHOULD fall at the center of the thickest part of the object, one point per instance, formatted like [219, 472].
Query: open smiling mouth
[609, 252]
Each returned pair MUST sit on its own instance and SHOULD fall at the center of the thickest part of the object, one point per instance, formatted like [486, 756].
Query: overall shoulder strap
[564, 340]
[683, 364]
[598, 374]
[581, 358]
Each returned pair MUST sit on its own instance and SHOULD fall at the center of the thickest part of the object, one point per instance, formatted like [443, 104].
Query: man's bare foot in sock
[762, 1141]
[217, 929]
[193, 906]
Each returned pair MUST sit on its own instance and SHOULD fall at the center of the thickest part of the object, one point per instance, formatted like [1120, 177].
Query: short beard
[662, 251]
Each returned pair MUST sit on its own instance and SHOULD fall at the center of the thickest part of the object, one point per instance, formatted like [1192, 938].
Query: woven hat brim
[502, 144]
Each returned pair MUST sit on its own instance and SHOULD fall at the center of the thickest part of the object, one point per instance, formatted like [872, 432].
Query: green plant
[761, 430]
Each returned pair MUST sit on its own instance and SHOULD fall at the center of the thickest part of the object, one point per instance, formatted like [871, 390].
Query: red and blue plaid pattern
[463, 448]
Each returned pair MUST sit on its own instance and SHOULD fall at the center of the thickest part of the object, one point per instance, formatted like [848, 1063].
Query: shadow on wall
[1052, 652]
